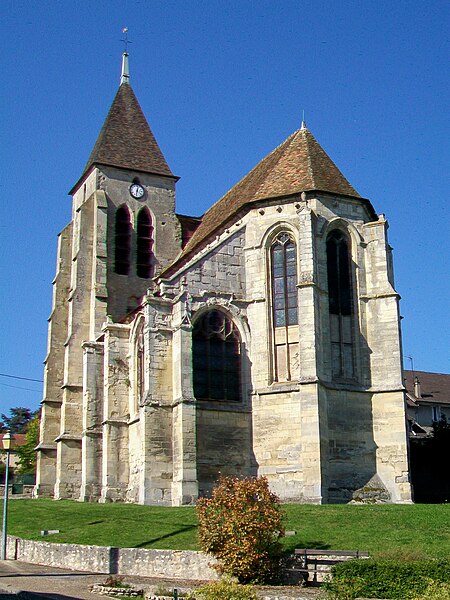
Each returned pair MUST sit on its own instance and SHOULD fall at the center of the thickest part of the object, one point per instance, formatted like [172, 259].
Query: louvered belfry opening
[144, 244]
[122, 241]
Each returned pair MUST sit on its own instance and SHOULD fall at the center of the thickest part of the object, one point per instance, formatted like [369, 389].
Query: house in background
[427, 400]
[18, 440]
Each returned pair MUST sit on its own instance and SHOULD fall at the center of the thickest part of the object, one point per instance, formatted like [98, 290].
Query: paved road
[25, 581]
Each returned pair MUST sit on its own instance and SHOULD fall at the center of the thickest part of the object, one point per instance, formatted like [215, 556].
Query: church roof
[298, 165]
[126, 140]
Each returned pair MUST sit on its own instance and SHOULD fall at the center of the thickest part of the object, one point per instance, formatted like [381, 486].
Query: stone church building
[261, 338]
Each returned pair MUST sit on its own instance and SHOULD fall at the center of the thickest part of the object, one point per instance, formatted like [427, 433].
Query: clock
[136, 190]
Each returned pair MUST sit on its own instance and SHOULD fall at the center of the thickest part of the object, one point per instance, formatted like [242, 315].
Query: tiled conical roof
[126, 140]
[298, 165]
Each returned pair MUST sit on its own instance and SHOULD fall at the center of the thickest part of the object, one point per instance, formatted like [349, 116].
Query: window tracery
[284, 281]
[284, 303]
[216, 348]
[340, 303]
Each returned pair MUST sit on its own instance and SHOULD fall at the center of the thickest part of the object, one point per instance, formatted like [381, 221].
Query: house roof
[434, 387]
[126, 140]
[298, 165]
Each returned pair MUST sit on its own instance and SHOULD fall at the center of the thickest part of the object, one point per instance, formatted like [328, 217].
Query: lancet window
[284, 281]
[144, 244]
[216, 348]
[122, 241]
[284, 301]
[340, 302]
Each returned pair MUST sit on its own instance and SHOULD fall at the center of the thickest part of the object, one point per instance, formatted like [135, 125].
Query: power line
[23, 378]
[21, 388]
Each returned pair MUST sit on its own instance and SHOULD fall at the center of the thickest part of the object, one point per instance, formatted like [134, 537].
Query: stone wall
[174, 564]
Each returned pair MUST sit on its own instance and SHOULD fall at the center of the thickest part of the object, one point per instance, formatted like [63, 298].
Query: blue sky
[222, 83]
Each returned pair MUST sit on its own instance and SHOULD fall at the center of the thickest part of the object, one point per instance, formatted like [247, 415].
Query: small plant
[224, 589]
[115, 582]
[160, 590]
[395, 579]
[343, 588]
[436, 591]
[241, 525]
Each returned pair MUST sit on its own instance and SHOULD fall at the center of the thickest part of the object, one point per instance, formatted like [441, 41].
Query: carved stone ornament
[306, 277]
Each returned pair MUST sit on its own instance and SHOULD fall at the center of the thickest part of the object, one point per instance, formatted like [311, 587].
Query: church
[262, 338]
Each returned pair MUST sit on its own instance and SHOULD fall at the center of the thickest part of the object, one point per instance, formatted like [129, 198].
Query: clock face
[136, 190]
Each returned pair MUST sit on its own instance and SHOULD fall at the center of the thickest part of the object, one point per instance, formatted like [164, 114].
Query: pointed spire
[125, 76]
[126, 141]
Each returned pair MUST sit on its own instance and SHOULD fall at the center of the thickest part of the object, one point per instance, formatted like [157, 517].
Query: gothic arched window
[284, 281]
[144, 244]
[122, 239]
[284, 300]
[216, 350]
[340, 302]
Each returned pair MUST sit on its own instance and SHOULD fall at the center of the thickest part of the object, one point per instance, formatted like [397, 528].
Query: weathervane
[125, 39]
[125, 76]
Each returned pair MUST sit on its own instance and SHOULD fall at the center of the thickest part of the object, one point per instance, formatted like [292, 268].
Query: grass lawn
[390, 530]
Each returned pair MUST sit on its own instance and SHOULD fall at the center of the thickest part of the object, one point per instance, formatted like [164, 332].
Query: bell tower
[123, 232]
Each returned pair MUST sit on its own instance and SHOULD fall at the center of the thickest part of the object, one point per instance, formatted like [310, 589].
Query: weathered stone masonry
[129, 415]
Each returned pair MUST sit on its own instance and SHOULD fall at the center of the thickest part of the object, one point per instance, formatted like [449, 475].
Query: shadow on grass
[166, 536]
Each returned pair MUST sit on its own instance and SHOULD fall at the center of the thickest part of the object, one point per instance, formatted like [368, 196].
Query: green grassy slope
[394, 530]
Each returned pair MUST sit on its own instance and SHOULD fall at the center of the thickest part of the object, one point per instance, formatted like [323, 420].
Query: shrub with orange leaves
[241, 525]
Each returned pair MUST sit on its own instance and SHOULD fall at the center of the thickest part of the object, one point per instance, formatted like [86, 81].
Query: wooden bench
[318, 563]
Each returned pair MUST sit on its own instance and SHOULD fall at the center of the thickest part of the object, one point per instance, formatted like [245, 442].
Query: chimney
[417, 392]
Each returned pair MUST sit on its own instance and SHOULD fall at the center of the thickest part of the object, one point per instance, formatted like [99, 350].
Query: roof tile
[126, 140]
[298, 165]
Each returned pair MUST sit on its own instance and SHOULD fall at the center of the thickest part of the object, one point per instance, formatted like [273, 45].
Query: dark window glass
[122, 241]
[144, 244]
[216, 358]
[284, 281]
[340, 299]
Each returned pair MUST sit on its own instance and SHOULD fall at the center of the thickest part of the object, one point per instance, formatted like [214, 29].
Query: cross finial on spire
[125, 39]
[125, 76]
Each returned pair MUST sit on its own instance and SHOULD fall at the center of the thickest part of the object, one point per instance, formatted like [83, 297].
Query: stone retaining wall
[173, 564]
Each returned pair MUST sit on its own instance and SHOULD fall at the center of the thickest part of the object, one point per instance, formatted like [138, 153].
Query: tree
[241, 525]
[19, 419]
[441, 434]
[26, 453]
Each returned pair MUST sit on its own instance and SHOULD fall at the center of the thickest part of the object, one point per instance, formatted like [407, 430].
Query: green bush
[241, 525]
[436, 591]
[389, 579]
[224, 589]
